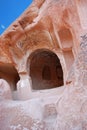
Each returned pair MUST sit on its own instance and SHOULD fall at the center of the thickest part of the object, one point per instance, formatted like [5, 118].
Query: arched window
[45, 70]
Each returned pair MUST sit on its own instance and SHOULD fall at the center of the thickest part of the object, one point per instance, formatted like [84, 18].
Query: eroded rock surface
[43, 68]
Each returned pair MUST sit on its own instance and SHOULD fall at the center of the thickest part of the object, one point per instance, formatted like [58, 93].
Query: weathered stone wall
[57, 26]
[41, 27]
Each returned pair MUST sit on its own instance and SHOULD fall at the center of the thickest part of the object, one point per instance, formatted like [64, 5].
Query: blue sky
[10, 10]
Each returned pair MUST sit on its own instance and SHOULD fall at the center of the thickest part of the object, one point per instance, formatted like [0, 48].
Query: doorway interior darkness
[45, 70]
[10, 74]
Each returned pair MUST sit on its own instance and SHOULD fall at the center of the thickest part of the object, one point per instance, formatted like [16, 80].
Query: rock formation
[43, 68]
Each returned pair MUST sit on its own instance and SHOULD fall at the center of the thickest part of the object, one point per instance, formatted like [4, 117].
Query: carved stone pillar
[24, 86]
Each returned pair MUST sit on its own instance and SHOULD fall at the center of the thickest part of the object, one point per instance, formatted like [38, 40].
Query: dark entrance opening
[10, 74]
[45, 70]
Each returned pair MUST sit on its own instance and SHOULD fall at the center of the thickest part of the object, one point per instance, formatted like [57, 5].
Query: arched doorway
[10, 74]
[45, 70]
